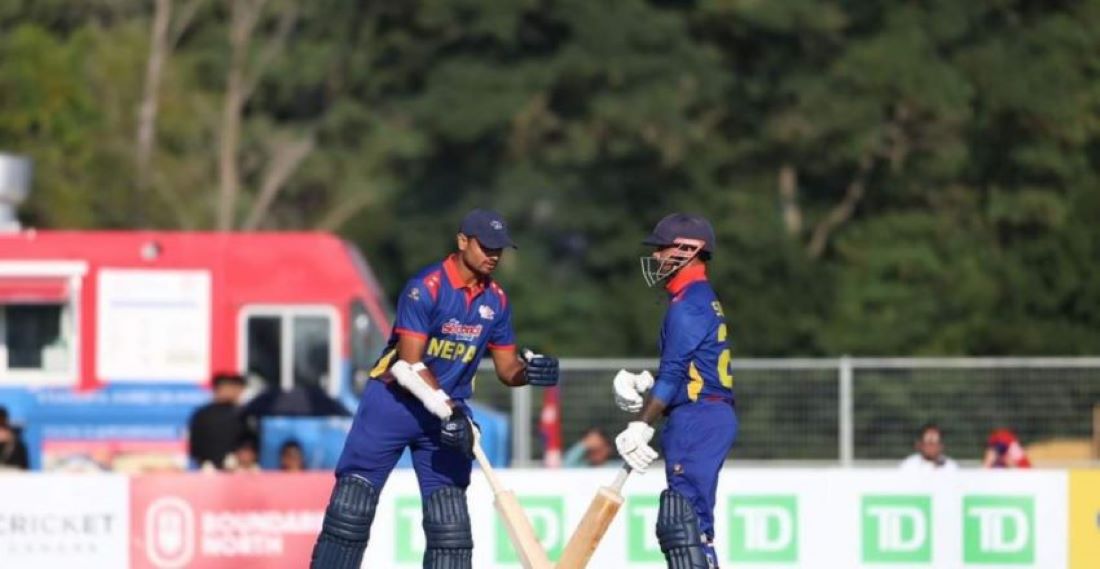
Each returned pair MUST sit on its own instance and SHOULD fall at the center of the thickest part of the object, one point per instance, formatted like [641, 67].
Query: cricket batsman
[447, 316]
[693, 390]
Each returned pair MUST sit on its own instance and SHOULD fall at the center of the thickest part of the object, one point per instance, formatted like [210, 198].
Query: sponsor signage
[771, 519]
[897, 529]
[999, 530]
[547, 517]
[1084, 519]
[641, 518]
[763, 529]
[226, 520]
[49, 520]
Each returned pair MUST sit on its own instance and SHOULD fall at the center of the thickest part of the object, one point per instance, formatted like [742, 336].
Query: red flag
[550, 427]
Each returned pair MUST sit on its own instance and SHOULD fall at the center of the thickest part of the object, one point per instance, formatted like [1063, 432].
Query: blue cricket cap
[488, 227]
[684, 225]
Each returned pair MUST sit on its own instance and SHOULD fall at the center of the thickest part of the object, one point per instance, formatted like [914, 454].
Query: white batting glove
[633, 446]
[629, 388]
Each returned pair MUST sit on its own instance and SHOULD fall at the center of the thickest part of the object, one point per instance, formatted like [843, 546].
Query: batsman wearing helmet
[448, 315]
[693, 389]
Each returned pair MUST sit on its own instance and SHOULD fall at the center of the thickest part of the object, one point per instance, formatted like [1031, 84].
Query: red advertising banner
[242, 521]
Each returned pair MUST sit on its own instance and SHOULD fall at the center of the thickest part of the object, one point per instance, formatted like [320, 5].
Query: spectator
[594, 449]
[13, 453]
[1003, 450]
[929, 456]
[217, 427]
[246, 456]
[291, 457]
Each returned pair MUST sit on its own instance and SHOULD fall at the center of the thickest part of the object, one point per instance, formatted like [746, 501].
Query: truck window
[40, 321]
[367, 342]
[312, 346]
[291, 346]
[265, 349]
[36, 337]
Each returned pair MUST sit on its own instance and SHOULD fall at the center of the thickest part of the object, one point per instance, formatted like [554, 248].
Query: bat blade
[582, 545]
[530, 551]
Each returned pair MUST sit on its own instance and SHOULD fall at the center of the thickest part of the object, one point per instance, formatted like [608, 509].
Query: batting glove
[629, 388]
[633, 446]
[457, 432]
[541, 370]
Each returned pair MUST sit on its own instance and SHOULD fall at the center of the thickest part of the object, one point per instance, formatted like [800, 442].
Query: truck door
[291, 346]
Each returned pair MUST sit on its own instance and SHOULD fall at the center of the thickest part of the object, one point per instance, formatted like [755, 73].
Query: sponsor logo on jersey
[467, 332]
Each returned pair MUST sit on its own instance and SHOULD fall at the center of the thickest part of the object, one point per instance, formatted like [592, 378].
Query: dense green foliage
[885, 177]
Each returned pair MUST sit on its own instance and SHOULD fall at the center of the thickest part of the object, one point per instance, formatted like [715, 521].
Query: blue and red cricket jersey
[694, 344]
[457, 321]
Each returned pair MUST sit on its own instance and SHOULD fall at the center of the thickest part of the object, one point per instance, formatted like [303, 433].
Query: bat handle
[620, 479]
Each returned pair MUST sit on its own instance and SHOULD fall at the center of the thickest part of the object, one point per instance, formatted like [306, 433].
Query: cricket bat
[530, 551]
[594, 525]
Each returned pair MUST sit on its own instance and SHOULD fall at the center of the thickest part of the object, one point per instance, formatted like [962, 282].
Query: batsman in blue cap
[693, 390]
[448, 315]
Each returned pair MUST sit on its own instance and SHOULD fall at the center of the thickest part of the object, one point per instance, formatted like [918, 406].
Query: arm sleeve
[681, 335]
[414, 310]
[503, 336]
[193, 442]
[21, 458]
[574, 457]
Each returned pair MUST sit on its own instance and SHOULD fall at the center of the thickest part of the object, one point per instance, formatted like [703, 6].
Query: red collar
[686, 276]
[450, 266]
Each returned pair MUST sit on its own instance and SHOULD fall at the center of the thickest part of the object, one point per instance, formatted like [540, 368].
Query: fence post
[847, 410]
[1096, 435]
[521, 427]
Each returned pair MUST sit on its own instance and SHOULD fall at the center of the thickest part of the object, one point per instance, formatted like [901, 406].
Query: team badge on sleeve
[486, 312]
[414, 294]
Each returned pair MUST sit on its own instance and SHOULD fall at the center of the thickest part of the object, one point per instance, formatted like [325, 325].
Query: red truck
[108, 339]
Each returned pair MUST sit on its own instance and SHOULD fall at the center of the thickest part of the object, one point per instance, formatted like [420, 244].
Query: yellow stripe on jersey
[383, 363]
[695, 383]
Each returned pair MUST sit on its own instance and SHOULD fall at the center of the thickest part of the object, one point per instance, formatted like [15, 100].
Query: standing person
[1003, 450]
[930, 451]
[447, 316]
[693, 389]
[216, 428]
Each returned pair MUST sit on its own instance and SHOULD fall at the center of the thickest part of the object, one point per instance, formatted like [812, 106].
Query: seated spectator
[246, 457]
[1003, 450]
[217, 427]
[594, 449]
[291, 457]
[929, 456]
[13, 453]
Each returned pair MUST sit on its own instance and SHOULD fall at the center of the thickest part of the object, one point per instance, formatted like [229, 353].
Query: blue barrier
[322, 438]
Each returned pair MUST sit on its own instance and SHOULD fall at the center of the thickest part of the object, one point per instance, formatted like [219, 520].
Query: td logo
[999, 529]
[546, 514]
[641, 522]
[897, 529]
[763, 529]
[408, 534]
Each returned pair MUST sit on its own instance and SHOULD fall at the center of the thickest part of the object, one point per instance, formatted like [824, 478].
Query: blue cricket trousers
[388, 420]
[696, 439]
